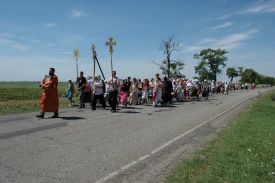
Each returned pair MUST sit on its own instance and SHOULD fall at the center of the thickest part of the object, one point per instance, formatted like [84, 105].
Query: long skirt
[134, 97]
[88, 97]
[157, 97]
[145, 95]
[123, 97]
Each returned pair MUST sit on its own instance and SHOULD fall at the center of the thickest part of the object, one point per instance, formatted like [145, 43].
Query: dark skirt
[88, 97]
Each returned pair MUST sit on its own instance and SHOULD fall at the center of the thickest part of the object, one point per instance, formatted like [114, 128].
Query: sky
[38, 34]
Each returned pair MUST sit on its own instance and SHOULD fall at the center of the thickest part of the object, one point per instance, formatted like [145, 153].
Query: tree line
[211, 63]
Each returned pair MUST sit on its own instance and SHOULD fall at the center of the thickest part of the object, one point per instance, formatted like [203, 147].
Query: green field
[18, 97]
[243, 153]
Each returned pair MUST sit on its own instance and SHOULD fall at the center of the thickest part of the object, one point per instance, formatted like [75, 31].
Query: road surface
[137, 144]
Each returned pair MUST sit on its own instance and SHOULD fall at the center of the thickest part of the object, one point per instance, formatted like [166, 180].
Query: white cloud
[226, 24]
[235, 40]
[261, 7]
[27, 40]
[245, 25]
[258, 7]
[12, 44]
[18, 42]
[224, 17]
[75, 13]
[50, 44]
[190, 48]
[35, 41]
[6, 35]
[207, 40]
[228, 42]
[49, 25]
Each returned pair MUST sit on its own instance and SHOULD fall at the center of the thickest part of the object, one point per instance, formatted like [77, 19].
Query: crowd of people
[131, 91]
[155, 92]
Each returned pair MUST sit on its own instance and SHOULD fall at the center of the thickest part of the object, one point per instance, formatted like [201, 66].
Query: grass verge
[20, 106]
[243, 153]
[18, 97]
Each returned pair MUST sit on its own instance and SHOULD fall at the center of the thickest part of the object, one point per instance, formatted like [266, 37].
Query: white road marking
[129, 165]
[115, 173]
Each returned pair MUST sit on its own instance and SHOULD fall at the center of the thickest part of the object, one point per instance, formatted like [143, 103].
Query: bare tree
[168, 46]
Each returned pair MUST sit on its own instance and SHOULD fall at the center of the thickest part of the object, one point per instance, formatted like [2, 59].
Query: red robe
[49, 100]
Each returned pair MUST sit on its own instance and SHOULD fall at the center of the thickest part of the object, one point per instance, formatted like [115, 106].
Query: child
[70, 92]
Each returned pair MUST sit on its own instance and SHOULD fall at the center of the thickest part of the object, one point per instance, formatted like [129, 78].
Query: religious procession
[117, 93]
[154, 92]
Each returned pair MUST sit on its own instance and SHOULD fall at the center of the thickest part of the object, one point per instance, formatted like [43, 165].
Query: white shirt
[189, 85]
[114, 85]
[98, 87]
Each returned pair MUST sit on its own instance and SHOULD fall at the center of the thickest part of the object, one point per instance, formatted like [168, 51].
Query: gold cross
[111, 43]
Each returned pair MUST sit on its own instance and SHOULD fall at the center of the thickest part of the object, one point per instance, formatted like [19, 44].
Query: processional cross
[76, 57]
[110, 43]
[94, 58]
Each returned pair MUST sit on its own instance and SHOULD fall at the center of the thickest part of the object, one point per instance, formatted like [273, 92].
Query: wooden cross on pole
[76, 57]
[94, 58]
[110, 43]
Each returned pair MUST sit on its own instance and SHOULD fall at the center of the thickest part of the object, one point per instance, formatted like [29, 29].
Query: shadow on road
[133, 107]
[171, 106]
[129, 112]
[71, 118]
[31, 130]
[162, 110]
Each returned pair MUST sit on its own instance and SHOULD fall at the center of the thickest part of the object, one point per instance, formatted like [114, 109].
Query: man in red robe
[49, 100]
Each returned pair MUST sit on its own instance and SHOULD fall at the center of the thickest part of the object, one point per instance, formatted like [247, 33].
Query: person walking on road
[98, 93]
[157, 91]
[70, 92]
[123, 94]
[49, 101]
[81, 81]
[167, 90]
[113, 91]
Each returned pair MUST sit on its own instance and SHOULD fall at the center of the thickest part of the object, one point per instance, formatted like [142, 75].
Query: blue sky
[38, 34]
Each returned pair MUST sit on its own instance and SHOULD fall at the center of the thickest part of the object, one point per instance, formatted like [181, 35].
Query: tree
[248, 76]
[251, 76]
[240, 70]
[232, 72]
[211, 63]
[168, 46]
[175, 68]
[203, 72]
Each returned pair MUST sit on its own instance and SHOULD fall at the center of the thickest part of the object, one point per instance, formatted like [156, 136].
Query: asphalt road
[133, 145]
